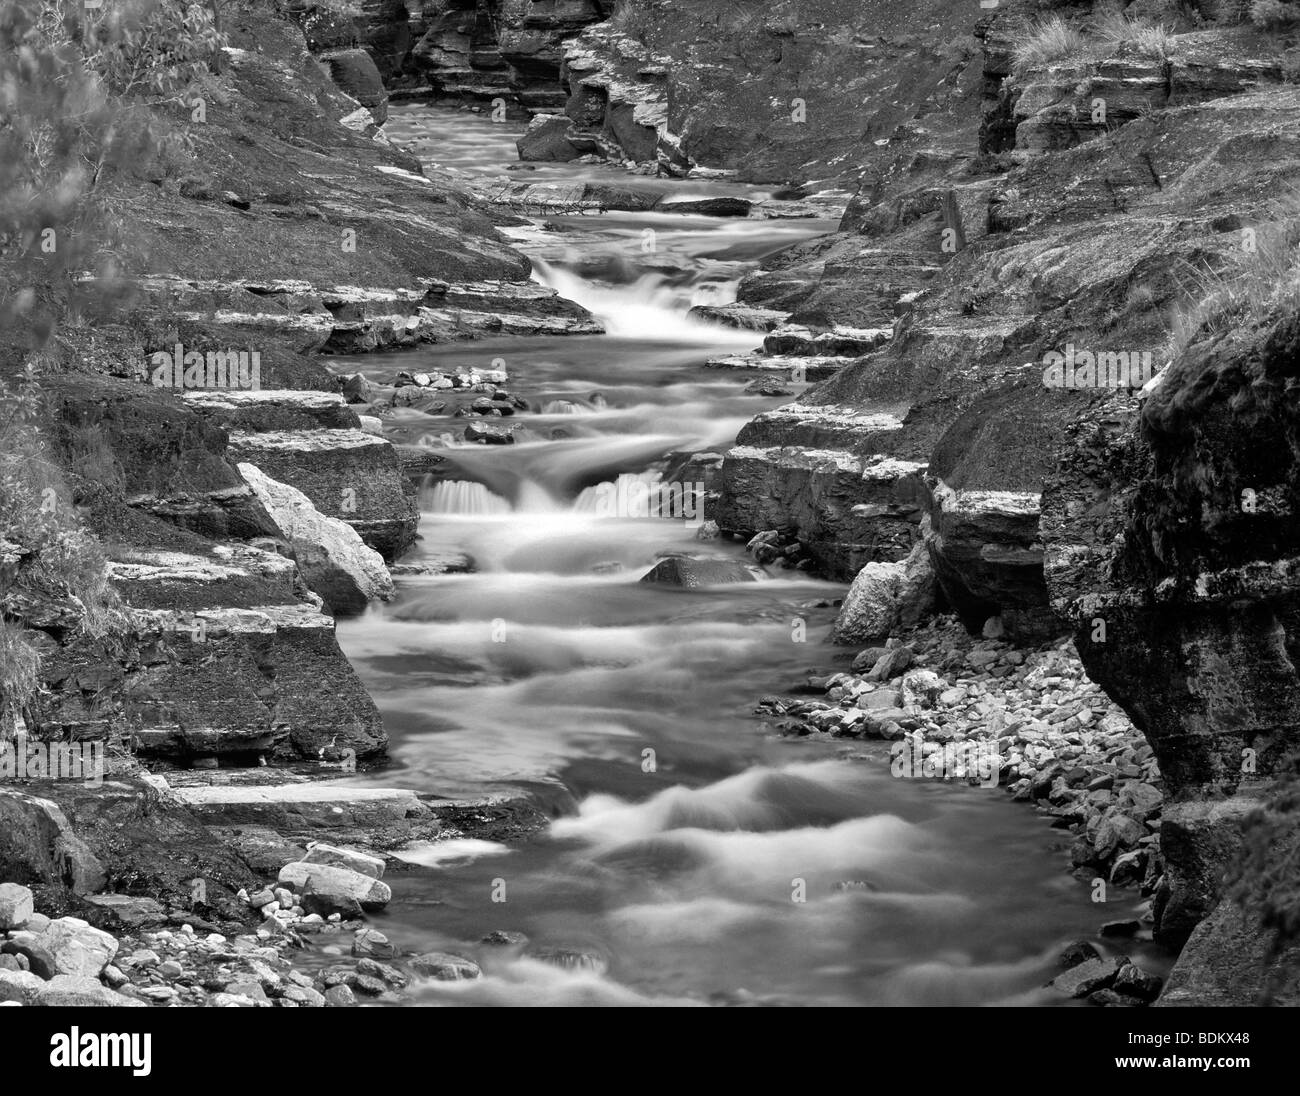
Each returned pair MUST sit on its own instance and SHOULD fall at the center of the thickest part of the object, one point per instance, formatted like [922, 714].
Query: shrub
[158, 48]
[1050, 40]
[1274, 15]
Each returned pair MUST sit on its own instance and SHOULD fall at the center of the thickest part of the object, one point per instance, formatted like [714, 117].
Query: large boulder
[355, 72]
[885, 597]
[326, 889]
[68, 946]
[16, 906]
[333, 558]
[70, 991]
[363, 863]
[20, 986]
[444, 967]
[547, 140]
[38, 845]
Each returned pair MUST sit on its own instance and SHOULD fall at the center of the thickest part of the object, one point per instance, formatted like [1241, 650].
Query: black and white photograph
[649, 504]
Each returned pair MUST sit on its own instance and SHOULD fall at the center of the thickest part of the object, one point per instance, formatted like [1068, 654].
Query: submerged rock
[708, 207]
[445, 967]
[484, 434]
[688, 573]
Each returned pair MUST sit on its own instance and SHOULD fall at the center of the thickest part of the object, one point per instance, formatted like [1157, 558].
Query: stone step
[223, 657]
[345, 319]
[797, 369]
[838, 341]
[303, 803]
[274, 409]
[743, 316]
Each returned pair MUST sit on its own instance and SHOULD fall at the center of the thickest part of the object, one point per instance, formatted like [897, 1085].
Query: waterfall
[463, 497]
[647, 308]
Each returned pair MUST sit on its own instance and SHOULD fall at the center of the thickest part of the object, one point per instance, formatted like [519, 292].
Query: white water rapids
[695, 856]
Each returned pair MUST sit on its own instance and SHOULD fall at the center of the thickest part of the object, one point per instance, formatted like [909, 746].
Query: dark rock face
[38, 845]
[124, 834]
[355, 73]
[478, 48]
[1221, 965]
[1171, 534]
[981, 270]
[163, 458]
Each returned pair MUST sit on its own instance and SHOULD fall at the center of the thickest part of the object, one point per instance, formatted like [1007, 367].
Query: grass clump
[1049, 40]
[1262, 273]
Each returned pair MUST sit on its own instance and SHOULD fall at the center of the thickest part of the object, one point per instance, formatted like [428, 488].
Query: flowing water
[695, 855]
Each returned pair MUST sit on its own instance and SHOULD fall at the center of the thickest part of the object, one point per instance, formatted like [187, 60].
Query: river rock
[922, 689]
[326, 889]
[372, 944]
[1136, 982]
[358, 388]
[20, 986]
[69, 946]
[483, 433]
[688, 573]
[885, 596]
[547, 140]
[71, 991]
[1094, 974]
[445, 967]
[892, 663]
[15, 906]
[340, 997]
[320, 853]
[128, 911]
[870, 609]
[708, 207]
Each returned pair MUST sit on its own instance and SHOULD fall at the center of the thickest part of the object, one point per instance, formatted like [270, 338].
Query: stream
[696, 856]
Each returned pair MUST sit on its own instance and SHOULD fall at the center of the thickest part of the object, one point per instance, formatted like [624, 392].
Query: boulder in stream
[689, 573]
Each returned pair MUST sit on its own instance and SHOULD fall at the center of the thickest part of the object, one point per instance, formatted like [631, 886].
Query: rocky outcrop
[476, 48]
[1170, 532]
[996, 265]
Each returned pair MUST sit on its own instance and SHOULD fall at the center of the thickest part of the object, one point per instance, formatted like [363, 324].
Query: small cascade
[464, 498]
[647, 308]
[636, 495]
